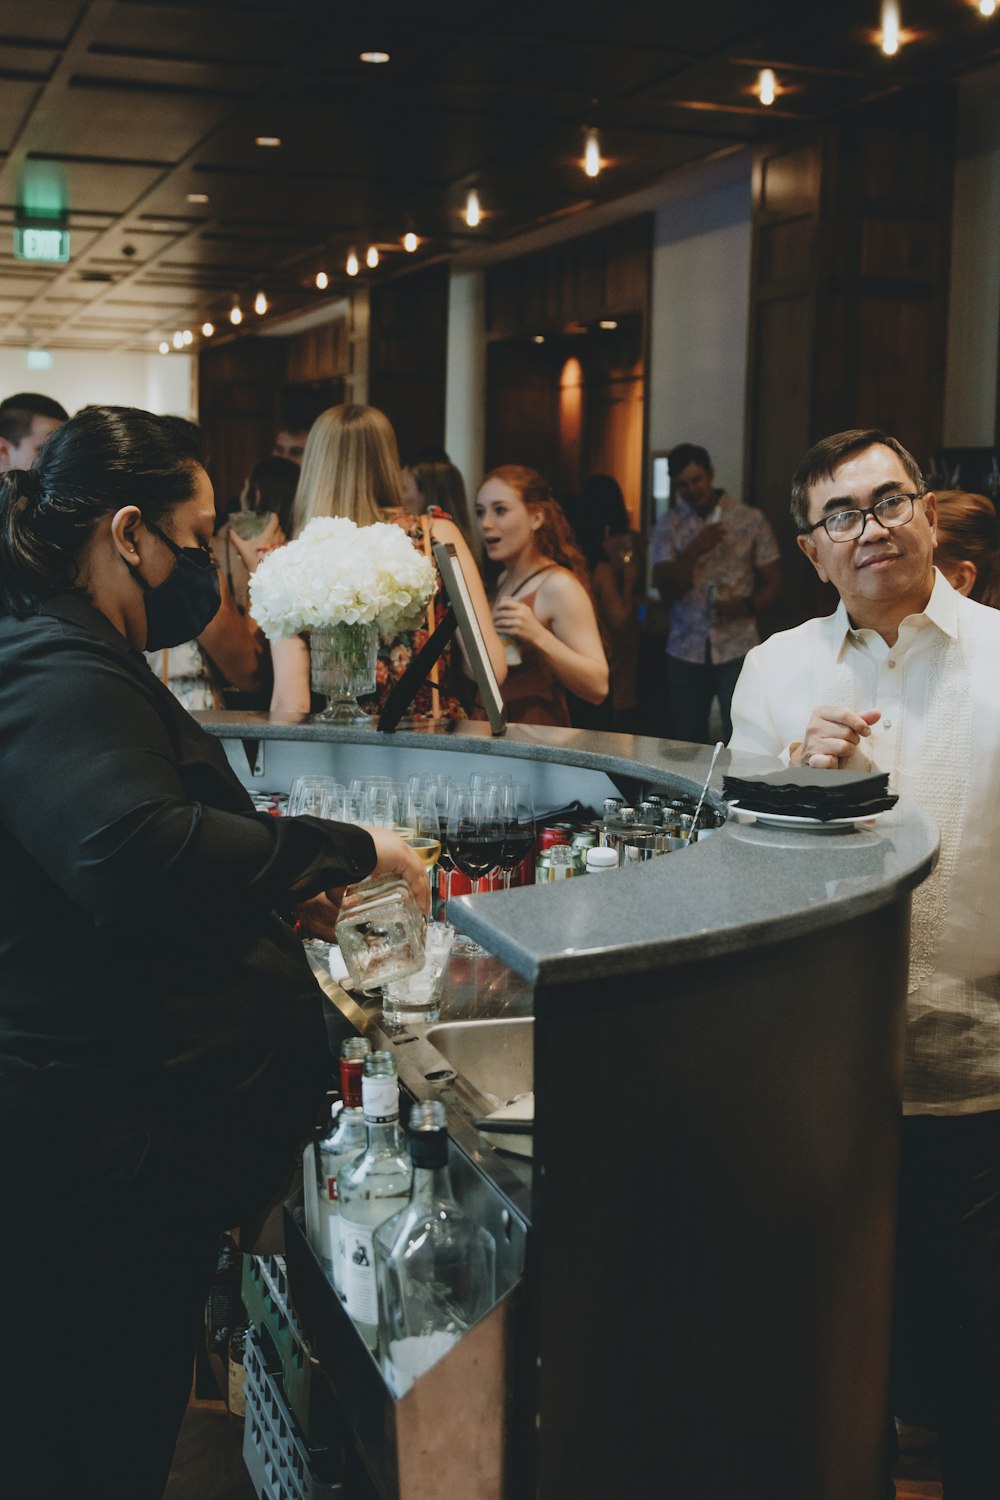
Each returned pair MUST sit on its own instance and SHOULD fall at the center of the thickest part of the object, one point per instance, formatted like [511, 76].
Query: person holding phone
[716, 563]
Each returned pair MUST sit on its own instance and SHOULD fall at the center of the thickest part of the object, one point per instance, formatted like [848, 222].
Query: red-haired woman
[542, 606]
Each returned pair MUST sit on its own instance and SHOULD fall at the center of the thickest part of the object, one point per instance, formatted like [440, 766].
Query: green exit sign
[41, 241]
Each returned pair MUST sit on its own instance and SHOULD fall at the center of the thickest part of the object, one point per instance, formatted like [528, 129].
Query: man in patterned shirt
[716, 562]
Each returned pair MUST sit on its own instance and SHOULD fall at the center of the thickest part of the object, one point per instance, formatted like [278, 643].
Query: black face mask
[179, 608]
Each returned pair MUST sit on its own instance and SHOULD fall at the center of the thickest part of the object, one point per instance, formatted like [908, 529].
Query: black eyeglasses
[848, 525]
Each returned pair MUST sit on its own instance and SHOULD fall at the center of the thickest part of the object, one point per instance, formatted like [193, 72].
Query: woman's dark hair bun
[27, 483]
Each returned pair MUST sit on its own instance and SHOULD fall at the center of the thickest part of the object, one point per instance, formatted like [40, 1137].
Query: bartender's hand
[395, 857]
[318, 917]
[832, 736]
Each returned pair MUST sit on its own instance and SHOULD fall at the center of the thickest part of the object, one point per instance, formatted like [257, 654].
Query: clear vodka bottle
[346, 1139]
[435, 1265]
[370, 1189]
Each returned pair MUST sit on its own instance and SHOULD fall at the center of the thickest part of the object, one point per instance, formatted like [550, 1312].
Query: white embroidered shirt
[938, 691]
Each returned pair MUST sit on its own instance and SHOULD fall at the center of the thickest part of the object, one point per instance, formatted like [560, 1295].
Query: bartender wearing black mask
[162, 1049]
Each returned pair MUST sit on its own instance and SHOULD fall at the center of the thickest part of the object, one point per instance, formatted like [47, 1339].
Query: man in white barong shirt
[904, 677]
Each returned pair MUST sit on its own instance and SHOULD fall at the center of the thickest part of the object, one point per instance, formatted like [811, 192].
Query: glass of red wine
[474, 837]
[518, 814]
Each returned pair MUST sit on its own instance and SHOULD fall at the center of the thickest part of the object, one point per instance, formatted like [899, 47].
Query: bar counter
[716, 1060]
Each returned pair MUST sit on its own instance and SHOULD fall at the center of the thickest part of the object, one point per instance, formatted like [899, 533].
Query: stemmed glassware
[518, 818]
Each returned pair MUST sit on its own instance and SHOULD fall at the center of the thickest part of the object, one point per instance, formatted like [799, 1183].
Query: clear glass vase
[342, 660]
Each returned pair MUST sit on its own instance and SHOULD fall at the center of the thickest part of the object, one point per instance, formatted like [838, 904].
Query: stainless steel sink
[495, 1057]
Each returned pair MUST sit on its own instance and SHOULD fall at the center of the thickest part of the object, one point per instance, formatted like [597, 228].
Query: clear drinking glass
[418, 996]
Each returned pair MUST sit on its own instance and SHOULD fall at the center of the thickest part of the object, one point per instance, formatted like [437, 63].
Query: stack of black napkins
[801, 792]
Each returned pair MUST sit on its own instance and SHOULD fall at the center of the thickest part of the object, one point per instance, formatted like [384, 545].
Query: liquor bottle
[345, 1140]
[370, 1189]
[435, 1265]
[236, 1374]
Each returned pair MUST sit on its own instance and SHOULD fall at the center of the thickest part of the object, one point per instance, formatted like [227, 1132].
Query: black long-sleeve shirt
[149, 994]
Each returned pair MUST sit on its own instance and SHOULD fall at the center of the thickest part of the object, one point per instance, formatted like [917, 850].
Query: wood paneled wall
[573, 405]
[248, 387]
[848, 297]
[596, 276]
[408, 349]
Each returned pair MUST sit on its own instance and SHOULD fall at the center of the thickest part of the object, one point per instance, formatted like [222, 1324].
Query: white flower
[339, 573]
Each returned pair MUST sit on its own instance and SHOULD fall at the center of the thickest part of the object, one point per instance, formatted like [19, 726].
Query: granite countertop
[742, 888]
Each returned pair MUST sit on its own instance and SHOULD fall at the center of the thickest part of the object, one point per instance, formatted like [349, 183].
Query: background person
[717, 564]
[157, 1078]
[902, 678]
[968, 545]
[229, 652]
[351, 468]
[434, 486]
[542, 604]
[25, 422]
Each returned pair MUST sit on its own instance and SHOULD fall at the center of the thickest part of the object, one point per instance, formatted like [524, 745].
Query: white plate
[790, 820]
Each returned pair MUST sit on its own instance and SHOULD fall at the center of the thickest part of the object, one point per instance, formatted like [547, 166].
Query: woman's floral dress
[395, 653]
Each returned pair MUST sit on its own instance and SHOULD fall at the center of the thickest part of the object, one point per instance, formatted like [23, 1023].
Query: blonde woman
[351, 468]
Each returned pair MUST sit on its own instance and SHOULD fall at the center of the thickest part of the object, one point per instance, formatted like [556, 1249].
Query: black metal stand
[406, 689]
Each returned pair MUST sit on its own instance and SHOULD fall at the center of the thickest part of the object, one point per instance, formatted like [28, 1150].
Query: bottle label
[381, 1100]
[359, 1288]
[236, 1397]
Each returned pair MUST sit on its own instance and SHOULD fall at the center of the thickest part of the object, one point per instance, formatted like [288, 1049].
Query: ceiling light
[987, 7]
[538, 338]
[608, 323]
[890, 27]
[592, 153]
[197, 197]
[260, 304]
[236, 315]
[473, 213]
[766, 86]
[164, 347]
[178, 340]
[322, 280]
[207, 329]
[38, 359]
[375, 57]
[371, 257]
[187, 337]
[267, 140]
[410, 242]
[352, 264]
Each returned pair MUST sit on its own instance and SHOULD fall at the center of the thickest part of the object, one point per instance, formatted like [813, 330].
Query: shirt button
[887, 723]
[890, 664]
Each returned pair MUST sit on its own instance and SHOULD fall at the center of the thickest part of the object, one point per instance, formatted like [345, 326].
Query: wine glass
[422, 826]
[475, 832]
[518, 815]
[307, 793]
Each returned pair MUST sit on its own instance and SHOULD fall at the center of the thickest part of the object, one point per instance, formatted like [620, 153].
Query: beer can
[554, 833]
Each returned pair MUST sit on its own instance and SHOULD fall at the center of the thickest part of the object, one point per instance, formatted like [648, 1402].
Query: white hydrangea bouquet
[337, 573]
[344, 585]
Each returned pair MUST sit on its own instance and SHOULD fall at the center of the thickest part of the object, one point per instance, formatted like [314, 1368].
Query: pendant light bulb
[207, 329]
[473, 213]
[236, 315]
[352, 264]
[767, 86]
[592, 153]
[322, 280]
[187, 337]
[410, 242]
[987, 7]
[164, 347]
[178, 340]
[260, 304]
[890, 27]
[371, 257]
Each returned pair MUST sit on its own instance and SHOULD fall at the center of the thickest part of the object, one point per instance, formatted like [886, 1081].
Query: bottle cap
[601, 859]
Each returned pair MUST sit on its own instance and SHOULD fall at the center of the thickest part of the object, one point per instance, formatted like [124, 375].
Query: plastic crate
[306, 1392]
[278, 1459]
